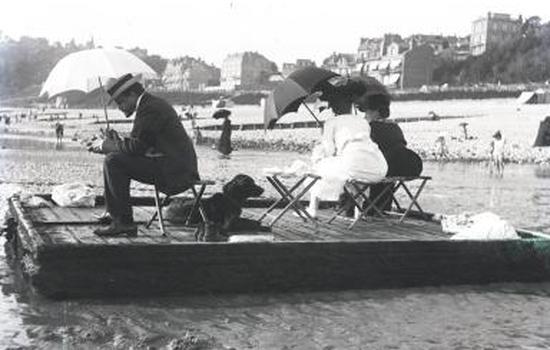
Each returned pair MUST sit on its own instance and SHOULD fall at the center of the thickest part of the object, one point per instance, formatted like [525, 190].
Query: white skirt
[357, 162]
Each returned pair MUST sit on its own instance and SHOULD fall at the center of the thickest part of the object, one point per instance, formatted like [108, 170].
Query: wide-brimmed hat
[115, 87]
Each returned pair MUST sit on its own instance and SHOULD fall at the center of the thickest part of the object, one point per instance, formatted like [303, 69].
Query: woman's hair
[378, 102]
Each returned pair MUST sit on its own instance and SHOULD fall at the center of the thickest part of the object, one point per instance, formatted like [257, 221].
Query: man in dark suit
[157, 150]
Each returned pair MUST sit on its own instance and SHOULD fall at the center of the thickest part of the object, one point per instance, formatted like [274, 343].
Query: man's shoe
[117, 229]
[104, 219]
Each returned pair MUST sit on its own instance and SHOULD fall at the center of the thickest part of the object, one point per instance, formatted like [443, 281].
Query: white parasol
[87, 70]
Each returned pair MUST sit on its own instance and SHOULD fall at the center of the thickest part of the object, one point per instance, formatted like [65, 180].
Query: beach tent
[527, 97]
[533, 97]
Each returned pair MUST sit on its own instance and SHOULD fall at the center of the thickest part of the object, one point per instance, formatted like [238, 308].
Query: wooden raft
[74, 226]
[62, 257]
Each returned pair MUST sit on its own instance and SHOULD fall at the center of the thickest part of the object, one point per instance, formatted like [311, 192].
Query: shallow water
[485, 317]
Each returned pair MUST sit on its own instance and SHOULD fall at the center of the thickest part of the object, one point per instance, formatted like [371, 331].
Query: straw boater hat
[117, 86]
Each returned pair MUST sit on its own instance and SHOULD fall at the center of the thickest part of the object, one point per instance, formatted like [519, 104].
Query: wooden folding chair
[401, 182]
[291, 196]
[357, 190]
[196, 204]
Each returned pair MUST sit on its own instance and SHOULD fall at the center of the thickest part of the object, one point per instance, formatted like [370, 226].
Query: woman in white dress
[346, 151]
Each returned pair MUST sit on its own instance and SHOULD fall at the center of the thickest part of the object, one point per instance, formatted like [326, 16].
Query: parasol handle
[103, 103]
[313, 114]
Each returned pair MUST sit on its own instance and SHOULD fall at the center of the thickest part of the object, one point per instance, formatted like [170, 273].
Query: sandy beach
[518, 124]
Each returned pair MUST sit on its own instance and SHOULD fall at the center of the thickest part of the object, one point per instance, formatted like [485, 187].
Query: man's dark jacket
[157, 129]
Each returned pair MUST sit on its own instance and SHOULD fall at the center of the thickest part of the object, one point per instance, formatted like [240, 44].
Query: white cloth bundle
[74, 194]
[483, 226]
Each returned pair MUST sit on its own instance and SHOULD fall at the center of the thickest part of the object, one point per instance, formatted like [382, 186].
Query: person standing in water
[497, 155]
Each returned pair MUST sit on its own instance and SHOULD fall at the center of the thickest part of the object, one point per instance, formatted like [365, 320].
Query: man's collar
[137, 106]
[139, 100]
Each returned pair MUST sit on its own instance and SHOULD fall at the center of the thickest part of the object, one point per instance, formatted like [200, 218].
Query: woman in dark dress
[224, 143]
[375, 103]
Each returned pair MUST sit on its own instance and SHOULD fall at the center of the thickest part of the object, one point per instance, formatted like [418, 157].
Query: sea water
[494, 316]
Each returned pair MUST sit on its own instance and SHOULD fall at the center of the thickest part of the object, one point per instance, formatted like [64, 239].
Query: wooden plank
[181, 233]
[84, 234]
[26, 225]
[200, 268]
[59, 234]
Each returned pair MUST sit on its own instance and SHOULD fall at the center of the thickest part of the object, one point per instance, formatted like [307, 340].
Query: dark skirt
[403, 162]
[224, 144]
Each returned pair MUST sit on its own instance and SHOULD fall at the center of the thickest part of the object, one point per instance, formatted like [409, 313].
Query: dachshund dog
[222, 209]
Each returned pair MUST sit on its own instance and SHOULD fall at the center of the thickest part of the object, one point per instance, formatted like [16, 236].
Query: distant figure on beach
[196, 132]
[441, 147]
[224, 143]
[59, 133]
[496, 162]
[433, 115]
[191, 112]
[464, 127]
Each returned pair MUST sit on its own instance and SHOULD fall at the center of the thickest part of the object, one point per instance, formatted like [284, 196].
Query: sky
[281, 30]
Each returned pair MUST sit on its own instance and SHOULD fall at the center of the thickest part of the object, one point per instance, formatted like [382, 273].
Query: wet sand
[493, 317]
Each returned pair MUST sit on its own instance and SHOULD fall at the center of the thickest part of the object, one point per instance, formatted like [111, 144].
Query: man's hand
[95, 146]
[110, 134]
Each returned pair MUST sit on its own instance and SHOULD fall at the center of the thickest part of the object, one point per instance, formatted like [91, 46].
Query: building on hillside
[288, 68]
[459, 48]
[189, 74]
[341, 63]
[246, 71]
[453, 47]
[398, 68]
[373, 48]
[492, 30]
[438, 42]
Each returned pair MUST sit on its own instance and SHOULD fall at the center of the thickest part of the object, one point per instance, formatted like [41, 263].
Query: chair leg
[414, 200]
[196, 204]
[198, 197]
[153, 217]
[158, 205]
